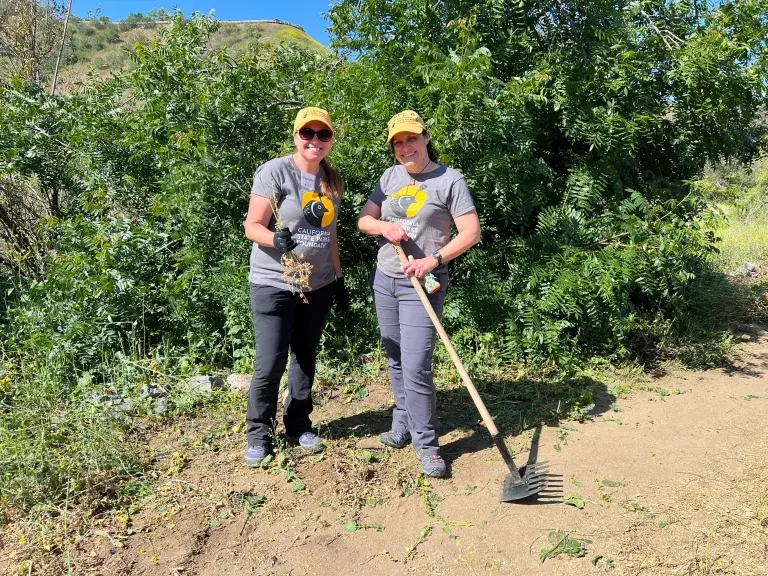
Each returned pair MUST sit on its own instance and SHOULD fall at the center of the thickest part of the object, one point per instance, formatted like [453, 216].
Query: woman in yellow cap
[305, 193]
[415, 204]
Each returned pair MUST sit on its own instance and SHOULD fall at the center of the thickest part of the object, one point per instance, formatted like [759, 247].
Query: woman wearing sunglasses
[306, 191]
[415, 204]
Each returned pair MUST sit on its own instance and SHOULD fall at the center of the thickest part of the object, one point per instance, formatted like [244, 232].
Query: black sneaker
[395, 439]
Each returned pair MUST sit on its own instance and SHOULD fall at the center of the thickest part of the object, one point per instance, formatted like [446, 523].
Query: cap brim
[410, 128]
[301, 125]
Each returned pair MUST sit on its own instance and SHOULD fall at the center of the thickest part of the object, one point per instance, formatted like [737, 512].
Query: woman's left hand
[420, 267]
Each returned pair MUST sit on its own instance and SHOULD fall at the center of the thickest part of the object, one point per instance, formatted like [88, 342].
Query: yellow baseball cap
[307, 115]
[405, 121]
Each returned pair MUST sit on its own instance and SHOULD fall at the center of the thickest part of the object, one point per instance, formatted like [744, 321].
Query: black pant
[281, 320]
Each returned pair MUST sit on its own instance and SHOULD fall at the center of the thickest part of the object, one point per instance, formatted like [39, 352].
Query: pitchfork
[515, 487]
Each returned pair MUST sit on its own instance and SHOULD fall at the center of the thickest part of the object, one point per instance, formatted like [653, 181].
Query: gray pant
[409, 340]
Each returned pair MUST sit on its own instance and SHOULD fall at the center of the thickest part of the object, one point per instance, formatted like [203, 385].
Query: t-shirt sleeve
[460, 201]
[377, 196]
[265, 183]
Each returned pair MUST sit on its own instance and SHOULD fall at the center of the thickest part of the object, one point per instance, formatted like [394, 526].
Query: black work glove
[283, 242]
[342, 296]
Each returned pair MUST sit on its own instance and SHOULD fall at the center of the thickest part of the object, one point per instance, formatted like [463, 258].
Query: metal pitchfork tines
[516, 487]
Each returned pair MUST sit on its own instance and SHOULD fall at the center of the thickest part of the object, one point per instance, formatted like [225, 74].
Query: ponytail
[332, 185]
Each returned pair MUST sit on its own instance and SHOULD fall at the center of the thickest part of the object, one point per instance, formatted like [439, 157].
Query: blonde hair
[332, 185]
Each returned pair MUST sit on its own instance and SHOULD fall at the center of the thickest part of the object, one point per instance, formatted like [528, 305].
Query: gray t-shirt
[425, 206]
[308, 214]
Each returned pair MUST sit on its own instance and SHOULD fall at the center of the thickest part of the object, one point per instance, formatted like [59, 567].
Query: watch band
[437, 256]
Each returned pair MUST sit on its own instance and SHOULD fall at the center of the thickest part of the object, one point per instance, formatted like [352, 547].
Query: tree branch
[61, 48]
[661, 32]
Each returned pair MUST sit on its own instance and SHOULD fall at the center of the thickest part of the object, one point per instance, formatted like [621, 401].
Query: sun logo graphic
[318, 210]
[407, 201]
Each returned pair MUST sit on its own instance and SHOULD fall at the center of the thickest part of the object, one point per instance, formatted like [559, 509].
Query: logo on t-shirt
[407, 201]
[318, 210]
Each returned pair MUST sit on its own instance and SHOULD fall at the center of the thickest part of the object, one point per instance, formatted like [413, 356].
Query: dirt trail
[672, 484]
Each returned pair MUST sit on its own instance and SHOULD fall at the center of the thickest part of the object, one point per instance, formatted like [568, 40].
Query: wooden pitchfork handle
[479, 404]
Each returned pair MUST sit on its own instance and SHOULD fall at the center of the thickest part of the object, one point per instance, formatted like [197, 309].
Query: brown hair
[332, 185]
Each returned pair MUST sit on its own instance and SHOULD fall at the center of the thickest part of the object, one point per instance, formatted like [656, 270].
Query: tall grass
[741, 194]
[57, 445]
[728, 298]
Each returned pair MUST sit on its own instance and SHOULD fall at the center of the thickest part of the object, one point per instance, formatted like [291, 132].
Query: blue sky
[306, 13]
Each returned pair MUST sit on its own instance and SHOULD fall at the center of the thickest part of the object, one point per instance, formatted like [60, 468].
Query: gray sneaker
[395, 439]
[309, 441]
[255, 454]
[432, 465]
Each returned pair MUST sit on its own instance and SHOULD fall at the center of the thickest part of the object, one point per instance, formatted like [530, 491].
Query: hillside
[100, 44]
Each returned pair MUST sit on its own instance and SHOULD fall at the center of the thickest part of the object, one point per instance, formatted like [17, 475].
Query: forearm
[260, 234]
[335, 259]
[462, 242]
[371, 225]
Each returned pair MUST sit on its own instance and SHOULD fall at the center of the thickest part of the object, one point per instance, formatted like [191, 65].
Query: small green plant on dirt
[374, 501]
[449, 532]
[467, 490]
[561, 543]
[607, 562]
[290, 475]
[178, 461]
[575, 500]
[425, 533]
[428, 497]
[213, 437]
[603, 494]
[431, 500]
[634, 506]
[355, 391]
[661, 392]
[248, 502]
[562, 437]
[368, 456]
[604, 497]
[611, 483]
[354, 526]
[282, 464]
[575, 482]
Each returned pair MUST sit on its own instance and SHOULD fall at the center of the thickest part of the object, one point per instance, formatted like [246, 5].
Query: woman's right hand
[394, 232]
[283, 241]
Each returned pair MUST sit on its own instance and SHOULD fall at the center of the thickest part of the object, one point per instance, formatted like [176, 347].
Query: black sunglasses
[323, 135]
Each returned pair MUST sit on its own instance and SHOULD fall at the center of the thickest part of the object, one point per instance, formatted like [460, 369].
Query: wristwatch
[437, 256]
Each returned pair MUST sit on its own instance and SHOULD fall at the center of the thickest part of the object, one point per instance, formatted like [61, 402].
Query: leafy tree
[29, 32]
[580, 126]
